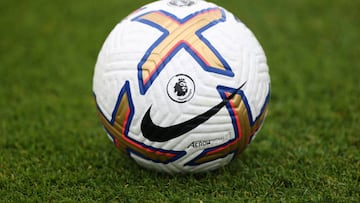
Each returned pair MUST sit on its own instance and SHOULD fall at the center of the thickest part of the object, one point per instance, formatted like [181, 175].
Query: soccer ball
[181, 86]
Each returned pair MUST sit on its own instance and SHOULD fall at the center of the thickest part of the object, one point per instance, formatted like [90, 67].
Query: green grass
[52, 147]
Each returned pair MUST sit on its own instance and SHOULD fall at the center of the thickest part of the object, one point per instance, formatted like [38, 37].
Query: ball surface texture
[181, 86]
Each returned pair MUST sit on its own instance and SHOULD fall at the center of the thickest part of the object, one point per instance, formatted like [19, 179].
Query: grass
[53, 149]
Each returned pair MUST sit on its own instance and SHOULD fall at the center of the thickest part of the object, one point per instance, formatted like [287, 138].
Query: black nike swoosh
[157, 133]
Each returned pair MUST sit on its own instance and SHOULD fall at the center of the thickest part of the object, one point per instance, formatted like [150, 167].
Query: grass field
[53, 148]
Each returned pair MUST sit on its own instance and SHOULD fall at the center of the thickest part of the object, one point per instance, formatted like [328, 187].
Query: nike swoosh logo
[157, 133]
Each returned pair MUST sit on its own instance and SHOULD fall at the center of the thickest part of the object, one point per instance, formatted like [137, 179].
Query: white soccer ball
[181, 86]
